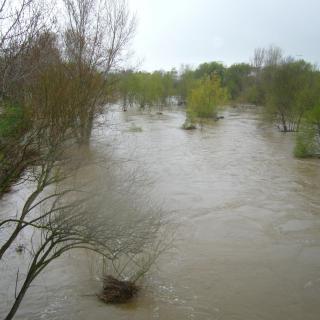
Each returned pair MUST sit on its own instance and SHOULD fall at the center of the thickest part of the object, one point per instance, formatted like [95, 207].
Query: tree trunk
[9, 242]
[284, 124]
[20, 225]
[19, 298]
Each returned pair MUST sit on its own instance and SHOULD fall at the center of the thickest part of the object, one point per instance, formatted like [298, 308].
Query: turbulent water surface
[249, 238]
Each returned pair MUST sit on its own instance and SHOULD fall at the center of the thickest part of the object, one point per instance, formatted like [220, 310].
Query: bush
[204, 100]
[308, 140]
[188, 125]
[306, 143]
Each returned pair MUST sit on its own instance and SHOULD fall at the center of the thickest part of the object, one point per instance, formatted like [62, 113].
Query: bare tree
[266, 57]
[21, 22]
[26, 46]
[273, 56]
[258, 58]
[97, 34]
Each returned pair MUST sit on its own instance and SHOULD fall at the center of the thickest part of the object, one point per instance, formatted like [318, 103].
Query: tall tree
[288, 90]
[96, 38]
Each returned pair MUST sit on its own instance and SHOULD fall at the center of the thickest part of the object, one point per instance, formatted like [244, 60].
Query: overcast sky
[172, 32]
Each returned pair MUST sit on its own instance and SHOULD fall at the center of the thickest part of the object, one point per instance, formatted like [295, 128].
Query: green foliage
[188, 124]
[308, 140]
[253, 94]
[237, 80]
[13, 127]
[210, 69]
[304, 145]
[205, 98]
[186, 83]
[12, 120]
[313, 116]
[146, 89]
[289, 89]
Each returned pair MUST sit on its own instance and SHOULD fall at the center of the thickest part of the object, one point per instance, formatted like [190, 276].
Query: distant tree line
[287, 88]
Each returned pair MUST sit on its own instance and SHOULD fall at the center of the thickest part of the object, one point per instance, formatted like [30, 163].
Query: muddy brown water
[249, 236]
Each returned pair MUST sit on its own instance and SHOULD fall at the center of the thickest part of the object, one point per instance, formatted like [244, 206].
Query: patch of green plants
[11, 120]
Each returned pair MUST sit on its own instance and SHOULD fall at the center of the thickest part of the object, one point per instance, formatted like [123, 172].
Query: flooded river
[248, 245]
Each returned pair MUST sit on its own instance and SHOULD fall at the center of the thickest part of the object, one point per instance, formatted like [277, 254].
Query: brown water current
[248, 244]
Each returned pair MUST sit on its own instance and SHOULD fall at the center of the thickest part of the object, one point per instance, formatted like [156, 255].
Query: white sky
[173, 32]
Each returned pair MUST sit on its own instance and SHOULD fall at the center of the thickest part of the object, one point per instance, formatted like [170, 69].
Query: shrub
[204, 100]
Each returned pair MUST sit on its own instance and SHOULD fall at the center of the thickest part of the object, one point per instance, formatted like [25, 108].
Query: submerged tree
[186, 82]
[204, 100]
[263, 59]
[65, 216]
[289, 93]
[96, 38]
[238, 80]
[146, 89]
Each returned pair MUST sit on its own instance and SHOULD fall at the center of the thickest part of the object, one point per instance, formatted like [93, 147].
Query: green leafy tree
[204, 100]
[209, 69]
[185, 83]
[146, 89]
[237, 80]
[289, 92]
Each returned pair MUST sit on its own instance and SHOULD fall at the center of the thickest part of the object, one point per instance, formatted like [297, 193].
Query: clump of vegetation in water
[146, 89]
[308, 139]
[116, 291]
[304, 145]
[188, 125]
[204, 100]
